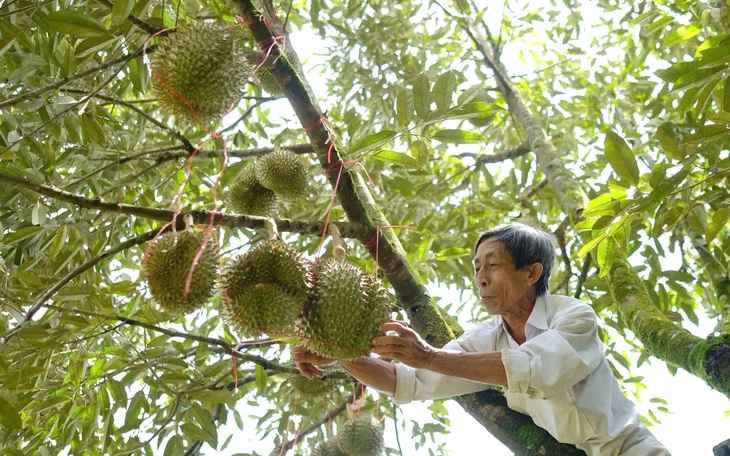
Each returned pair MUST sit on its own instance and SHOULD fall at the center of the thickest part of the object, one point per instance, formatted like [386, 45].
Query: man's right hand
[307, 361]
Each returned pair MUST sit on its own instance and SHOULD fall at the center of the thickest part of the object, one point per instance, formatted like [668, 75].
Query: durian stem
[338, 245]
[189, 221]
[270, 225]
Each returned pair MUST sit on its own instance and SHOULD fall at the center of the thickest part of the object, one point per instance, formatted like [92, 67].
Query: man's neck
[516, 320]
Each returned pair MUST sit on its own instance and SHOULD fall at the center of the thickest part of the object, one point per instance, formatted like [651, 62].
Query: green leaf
[6, 42]
[422, 97]
[666, 136]
[398, 158]
[195, 432]
[605, 255]
[621, 158]
[120, 11]
[725, 103]
[261, 378]
[474, 109]
[590, 246]
[420, 152]
[682, 34]
[175, 446]
[677, 70]
[458, 136]
[443, 91]
[373, 141]
[76, 24]
[451, 252]
[404, 107]
[9, 417]
[708, 133]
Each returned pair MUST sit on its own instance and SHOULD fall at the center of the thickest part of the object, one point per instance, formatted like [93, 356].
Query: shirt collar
[538, 317]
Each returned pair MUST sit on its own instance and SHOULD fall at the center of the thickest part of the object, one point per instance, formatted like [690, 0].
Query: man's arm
[375, 373]
[410, 349]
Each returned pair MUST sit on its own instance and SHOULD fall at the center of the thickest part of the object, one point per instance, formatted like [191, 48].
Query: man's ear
[534, 272]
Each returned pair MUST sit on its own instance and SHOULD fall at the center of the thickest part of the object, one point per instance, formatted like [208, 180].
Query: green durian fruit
[283, 172]
[167, 267]
[266, 289]
[267, 82]
[345, 309]
[247, 196]
[200, 72]
[362, 436]
[328, 448]
[312, 387]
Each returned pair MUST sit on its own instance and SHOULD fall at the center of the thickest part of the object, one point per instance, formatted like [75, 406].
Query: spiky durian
[312, 387]
[283, 172]
[199, 72]
[328, 448]
[167, 267]
[266, 289]
[361, 436]
[267, 82]
[345, 309]
[247, 196]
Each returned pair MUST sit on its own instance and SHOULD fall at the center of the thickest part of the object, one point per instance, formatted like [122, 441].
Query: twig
[246, 153]
[20, 10]
[316, 424]
[149, 28]
[195, 447]
[247, 113]
[500, 157]
[188, 145]
[583, 275]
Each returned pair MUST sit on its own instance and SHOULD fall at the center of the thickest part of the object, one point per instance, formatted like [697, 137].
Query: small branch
[247, 113]
[327, 417]
[348, 229]
[560, 236]
[63, 81]
[151, 29]
[256, 152]
[188, 145]
[583, 275]
[500, 157]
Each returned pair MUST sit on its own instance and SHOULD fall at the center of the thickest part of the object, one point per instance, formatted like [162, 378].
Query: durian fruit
[167, 267]
[266, 289]
[199, 72]
[345, 309]
[247, 196]
[283, 172]
[328, 448]
[267, 82]
[312, 387]
[361, 436]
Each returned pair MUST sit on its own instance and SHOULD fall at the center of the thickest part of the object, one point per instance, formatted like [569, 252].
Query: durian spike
[338, 245]
[271, 227]
[189, 222]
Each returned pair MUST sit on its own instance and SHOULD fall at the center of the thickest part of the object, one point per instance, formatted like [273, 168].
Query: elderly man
[544, 350]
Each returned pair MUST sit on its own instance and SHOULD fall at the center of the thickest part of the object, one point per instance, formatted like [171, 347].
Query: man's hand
[407, 347]
[307, 361]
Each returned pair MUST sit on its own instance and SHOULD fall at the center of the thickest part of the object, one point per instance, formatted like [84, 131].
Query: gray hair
[526, 245]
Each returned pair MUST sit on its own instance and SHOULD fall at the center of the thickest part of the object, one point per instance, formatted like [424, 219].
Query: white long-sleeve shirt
[559, 377]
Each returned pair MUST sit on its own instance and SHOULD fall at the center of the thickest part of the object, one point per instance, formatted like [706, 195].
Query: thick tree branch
[348, 229]
[351, 190]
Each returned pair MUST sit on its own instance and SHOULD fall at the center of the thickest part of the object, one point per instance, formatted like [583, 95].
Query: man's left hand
[407, 347]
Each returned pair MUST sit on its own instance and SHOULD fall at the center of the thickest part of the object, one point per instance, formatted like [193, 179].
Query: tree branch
[511, 154]
[348, 229]
[151, 29]
[65, 80]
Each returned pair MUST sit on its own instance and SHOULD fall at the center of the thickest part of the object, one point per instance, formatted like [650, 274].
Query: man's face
[500, 285]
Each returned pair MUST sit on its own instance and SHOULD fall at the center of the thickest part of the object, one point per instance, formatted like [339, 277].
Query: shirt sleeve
[421, 384]
[557, 359]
